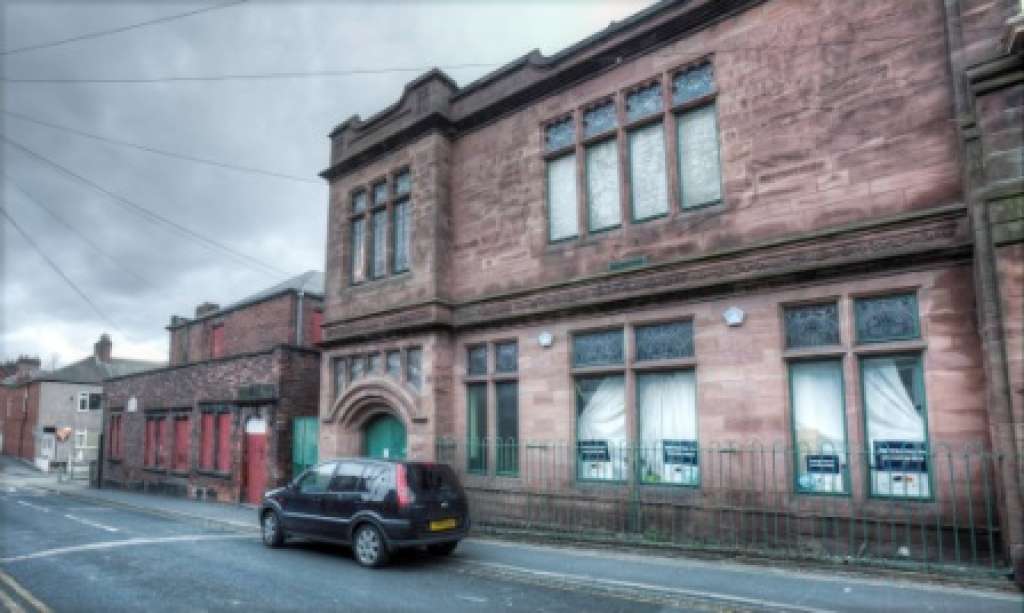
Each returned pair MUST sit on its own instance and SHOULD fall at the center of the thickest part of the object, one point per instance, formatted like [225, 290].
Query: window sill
[824, 351]
[665, 364]
[891, 347]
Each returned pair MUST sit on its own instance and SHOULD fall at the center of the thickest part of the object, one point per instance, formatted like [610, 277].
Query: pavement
[64, 547]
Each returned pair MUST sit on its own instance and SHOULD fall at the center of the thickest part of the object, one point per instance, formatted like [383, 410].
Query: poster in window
[818, 423]
[896, 433]
[667, 403]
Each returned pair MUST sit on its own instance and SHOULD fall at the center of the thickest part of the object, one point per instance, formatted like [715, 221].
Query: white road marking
[34, 506]
[470, 598]
[88, 522]
[127, 543]
[25, 594]
[650, 587]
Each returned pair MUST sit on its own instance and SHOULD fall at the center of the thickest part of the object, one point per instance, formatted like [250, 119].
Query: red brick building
[730, 235]
[218, 421]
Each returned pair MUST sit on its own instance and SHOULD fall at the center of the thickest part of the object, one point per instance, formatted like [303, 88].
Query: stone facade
[865, 148]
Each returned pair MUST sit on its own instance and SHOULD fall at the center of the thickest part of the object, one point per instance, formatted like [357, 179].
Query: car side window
[378, 481]
[317, 479]
[349, 478]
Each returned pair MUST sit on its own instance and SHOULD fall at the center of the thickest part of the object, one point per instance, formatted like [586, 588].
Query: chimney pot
[206, 308]
[102, 348]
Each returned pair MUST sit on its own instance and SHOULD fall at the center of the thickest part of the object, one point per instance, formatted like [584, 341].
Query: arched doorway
[384, 437]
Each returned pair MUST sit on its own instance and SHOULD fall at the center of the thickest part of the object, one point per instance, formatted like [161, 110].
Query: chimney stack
[25, 367]
[102, 348]
[206, 308]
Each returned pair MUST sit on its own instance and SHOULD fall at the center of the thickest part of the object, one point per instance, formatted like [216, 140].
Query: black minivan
[377, 506]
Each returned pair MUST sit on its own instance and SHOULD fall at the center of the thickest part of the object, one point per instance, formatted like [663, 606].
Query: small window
[476, 360]
[380, 194]
[359, 202]
[83, 402]
[338, 366]
[643, 102]
[560, 134]
[599, 119]
[95, 402]
[316, 480]
[357, 262]
[693, 83]
[357, 367]
[506, 357]
[597, 348]
[413, 370]
[563, 218]
[887, 318]
[664, 341]
[403, 183]
[811, 325]
[373, 364]
[394, 364]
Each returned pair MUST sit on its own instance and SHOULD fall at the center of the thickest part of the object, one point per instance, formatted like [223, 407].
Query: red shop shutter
[181, 443]
[218, 341]
[111, 437]
[206, 442]
[161, 442]
[148, 457]
[224, 442]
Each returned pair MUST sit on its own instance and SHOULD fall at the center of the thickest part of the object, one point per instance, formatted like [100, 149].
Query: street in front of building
[79, 551]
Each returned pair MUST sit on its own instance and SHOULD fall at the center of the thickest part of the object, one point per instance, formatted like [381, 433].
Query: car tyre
[442, 549]
[271, 529]
[369, 547]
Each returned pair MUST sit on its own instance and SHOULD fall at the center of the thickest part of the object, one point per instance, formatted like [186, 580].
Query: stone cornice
[924, 235]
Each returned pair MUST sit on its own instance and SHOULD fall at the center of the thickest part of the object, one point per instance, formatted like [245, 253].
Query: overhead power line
[152, 216]
[118, 30]
[265, 76]
[71, 228]
[58, 270]
[170, 154]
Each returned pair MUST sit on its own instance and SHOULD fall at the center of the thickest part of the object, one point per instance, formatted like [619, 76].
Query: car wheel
[442, 549]
[271, 529]
[368, 546]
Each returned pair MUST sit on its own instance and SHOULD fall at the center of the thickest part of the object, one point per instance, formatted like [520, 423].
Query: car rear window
[432, 478]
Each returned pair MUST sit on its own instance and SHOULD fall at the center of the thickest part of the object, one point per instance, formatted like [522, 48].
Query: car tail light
[405, 496]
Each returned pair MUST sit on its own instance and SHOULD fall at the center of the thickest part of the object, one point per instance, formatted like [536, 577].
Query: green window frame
[821, 456]
[476, 428]
[668, 429]
[506, 423]
[896, 446]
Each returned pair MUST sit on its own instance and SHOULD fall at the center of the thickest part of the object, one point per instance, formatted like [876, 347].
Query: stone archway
[373, 404]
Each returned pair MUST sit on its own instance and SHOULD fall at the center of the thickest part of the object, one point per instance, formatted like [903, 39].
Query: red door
[255, 460]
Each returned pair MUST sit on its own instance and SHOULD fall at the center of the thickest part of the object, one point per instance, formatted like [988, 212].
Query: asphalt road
[60, 554]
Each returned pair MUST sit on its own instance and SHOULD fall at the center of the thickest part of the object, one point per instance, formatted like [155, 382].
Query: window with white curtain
[648, 179]
[816, 389]
[699, 168]
[601, 441]
[562, 215]
[603, 210]
[667, 406]
[896, 426]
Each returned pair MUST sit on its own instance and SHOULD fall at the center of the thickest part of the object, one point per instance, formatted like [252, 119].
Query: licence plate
[443, 524]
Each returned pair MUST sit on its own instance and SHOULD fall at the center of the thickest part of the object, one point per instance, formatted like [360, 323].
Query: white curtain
[603, 418]
[890, 408]
[667, 404]
[818, 421]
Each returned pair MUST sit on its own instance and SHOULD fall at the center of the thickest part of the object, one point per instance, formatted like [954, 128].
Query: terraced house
[735, 271]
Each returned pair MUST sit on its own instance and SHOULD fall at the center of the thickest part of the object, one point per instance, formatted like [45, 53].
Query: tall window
[401, 222]
[476, 427]
[700, 178]
[559, 144]
[491, 372]
[414, 367]
[379, 261]
[601, 435]
[182, 443]
[338, 367]
[648, 177]
[357, 254]
[602, 167]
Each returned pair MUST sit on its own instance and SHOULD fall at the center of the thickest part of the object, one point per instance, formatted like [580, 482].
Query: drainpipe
[990, 328]
[298, 319]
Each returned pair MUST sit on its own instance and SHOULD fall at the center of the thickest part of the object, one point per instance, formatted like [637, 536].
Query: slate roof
[310, 283]
[91, 370]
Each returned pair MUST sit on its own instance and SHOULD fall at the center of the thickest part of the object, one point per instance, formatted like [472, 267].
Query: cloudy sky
[144, 235]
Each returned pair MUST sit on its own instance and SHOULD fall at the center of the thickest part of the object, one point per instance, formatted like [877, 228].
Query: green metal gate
[305, 432]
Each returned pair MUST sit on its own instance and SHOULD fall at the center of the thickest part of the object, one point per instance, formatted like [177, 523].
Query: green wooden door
[305, 432]
[384, 438]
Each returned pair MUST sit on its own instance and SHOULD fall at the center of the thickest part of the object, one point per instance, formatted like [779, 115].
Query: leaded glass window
[599, 119]
[887, 318]
[338, 366]
[699, 168]
[476, 360]
[507, 427]
[403, 183]
[603, 210]
[393, 362]
[357, 261]
[562, 214]
[400, 236]
[693, 83]
[380, 243]
[560, 134]
[648, 179]
[359, 202]
[664, 341]
[597, 348]
[380, 193]
[373, 364]
[811, 325]
[357, 367]
[413, 370]
[506, 357]
[644, 101]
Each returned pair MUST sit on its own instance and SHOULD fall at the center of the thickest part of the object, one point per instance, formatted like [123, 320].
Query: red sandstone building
[221, 420]
[721, 261]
